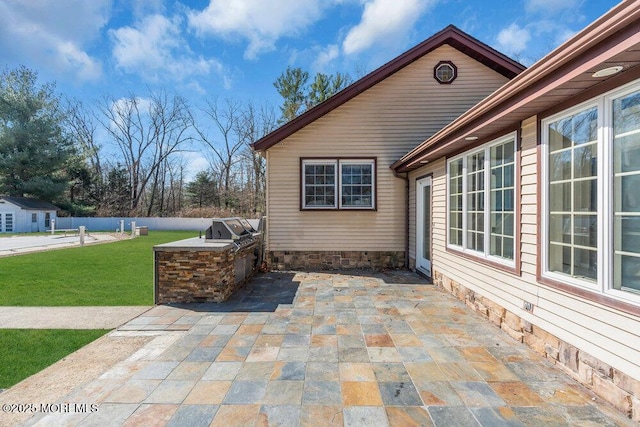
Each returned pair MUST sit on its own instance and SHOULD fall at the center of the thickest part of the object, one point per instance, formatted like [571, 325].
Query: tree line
[128, 156]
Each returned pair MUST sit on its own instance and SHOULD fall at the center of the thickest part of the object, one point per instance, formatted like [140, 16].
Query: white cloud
[195, 162]
[122, 108]
[383, 20]
[155, 49]
[142, 8]
[550, 7]
[71, 57]
[513, 39]
[260, 22]
[52, 34]
[326, 56]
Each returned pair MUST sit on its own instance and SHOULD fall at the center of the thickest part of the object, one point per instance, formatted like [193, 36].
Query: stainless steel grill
[238, 230]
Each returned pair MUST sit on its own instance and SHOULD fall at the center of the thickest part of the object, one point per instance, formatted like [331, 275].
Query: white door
[34, 222]
[423, 226]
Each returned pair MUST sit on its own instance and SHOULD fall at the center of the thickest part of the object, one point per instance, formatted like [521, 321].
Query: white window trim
[343, 162]
[335, 183]
[339, 163]
[487, 205]
[605, 244]
[586, 284]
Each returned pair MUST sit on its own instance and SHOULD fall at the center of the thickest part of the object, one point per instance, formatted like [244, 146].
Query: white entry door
[34, 222]
[423, 226]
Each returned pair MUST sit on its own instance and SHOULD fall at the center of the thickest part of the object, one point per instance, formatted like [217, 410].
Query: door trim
[420, 203]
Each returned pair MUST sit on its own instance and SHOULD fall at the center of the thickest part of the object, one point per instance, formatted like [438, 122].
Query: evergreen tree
[34, 149]
[291, 85]
[298, 95]
[203, 191]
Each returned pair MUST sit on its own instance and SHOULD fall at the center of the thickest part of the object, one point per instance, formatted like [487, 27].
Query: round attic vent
[445, 72]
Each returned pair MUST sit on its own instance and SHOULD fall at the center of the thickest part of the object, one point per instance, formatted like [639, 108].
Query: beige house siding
[384, 122]
[605, 333]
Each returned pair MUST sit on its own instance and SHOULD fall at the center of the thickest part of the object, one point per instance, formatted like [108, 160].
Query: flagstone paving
[358, 350]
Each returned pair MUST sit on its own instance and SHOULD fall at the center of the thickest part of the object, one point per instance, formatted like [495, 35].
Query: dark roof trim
[30, 204]
[612, 33]
[450, 35]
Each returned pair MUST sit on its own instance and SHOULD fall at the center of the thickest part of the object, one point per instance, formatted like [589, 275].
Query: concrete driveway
[357, 350]
[16, 245]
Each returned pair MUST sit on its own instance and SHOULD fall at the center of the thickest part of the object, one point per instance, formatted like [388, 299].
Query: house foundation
[335, 260]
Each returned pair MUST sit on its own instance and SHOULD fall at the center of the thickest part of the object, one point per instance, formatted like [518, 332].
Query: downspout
[406, 220]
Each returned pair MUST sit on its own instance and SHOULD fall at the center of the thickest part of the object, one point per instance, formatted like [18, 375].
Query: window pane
[560, 228]
[626, 192]
[560, 197]
[496, 245]
[585, 196]
[584, 162]
[509, 176]
[497, 157]
[585, 126]
[626, 114]
[560, 135]
[560, 258]
[560, 166]
[585, 263]
[508, 248]
[509, 150]
[585, 230]
[626, 153]
[628, 228]
[630, 273]
[508, 225]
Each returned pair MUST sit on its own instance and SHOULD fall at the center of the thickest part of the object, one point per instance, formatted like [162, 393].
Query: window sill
[512, 269]
[593, 296]
[339, 209]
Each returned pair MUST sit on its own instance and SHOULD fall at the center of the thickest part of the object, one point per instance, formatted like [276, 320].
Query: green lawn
[25, 352]
[119, 273]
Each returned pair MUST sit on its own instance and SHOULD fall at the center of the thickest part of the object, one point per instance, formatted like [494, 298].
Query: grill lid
[247, 225]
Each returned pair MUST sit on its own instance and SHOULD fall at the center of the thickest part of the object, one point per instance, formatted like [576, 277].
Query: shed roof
[30, 204]
[450, 35]
[563, 76]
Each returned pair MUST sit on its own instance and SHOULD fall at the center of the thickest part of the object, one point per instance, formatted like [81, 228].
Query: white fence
[113, 224]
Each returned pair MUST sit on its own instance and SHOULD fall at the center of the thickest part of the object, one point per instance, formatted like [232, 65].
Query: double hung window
[481, 188]
[338, 184]
[8, 223]
[591, 200]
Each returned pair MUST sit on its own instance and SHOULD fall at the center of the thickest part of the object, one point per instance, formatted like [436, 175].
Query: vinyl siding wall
[605, 333]
[384, 122]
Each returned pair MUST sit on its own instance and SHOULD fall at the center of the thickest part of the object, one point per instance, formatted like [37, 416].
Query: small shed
[25, 215]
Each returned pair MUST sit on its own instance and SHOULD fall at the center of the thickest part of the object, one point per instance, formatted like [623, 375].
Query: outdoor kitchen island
[204, 269]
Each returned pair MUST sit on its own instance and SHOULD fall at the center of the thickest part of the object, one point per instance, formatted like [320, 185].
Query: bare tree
[83, 127]
[254, 124]
[147, 132]
[226, 147]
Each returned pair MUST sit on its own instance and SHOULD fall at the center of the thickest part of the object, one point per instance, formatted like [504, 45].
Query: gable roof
[30, 204]
[450, 35]
[563, 76]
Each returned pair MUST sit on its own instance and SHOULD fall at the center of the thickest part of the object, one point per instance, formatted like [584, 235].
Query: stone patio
[319, 349]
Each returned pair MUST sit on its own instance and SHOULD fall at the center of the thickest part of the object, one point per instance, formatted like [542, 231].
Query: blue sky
[235, 49]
